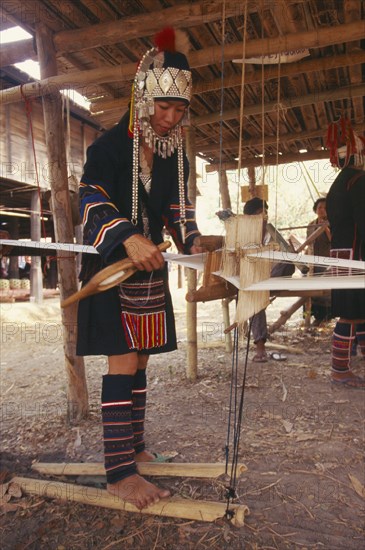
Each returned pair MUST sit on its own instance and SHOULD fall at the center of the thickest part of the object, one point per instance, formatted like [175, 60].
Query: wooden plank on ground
[175, 507]
[182, 469]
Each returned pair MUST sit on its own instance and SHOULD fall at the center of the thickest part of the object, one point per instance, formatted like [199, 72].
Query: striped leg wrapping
[139, 394]
[360, 337]
[343, 337]
[117, 427]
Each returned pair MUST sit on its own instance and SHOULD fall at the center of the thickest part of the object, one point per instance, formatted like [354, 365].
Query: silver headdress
[162, 74]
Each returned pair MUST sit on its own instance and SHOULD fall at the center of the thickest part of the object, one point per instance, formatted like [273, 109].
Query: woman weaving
[134, 185]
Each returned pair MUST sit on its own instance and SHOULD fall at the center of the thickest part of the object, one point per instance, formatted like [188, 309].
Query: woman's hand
[196, 249]
[144, 254]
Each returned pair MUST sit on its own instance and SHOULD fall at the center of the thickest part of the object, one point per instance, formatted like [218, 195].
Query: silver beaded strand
[180, 170]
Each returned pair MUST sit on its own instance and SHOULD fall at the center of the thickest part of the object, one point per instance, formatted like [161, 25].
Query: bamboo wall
[16, 150]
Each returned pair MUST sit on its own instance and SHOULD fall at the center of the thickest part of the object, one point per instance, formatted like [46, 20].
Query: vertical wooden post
[251, 180]
[223, 190]
[191, 274]
[13, 270]
[77, 396]
[36, 279]
[226, 324]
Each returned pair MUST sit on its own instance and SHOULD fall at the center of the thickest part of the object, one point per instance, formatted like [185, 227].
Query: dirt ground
[301, 439]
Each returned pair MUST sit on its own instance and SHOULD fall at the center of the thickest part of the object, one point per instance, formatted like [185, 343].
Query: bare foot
[144, 456]
[348, 380]
[137, 491]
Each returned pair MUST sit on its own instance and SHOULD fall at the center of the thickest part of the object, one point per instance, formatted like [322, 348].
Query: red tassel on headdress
[165, 40]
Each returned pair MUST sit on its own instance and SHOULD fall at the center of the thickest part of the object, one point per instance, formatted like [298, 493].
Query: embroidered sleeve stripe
[98, 187]
[107, 227]
[195, 232]
[88, 207]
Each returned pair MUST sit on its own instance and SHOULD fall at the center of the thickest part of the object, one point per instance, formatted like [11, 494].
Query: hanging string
[277, 144]
[237, 414]
[222, 95]
[310, 179]
[232, 397]
[28, 111]
[242, 95]
[308, 186]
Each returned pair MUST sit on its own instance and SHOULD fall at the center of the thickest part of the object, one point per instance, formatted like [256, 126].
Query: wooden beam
[316, 39]
[147, 24]
[224, 190]
[286, 69]
[120, 104]
[16, 52]
[169, 507]
[268, 139]
[270, 160]
[319, 38]
[287, 103]
[128, 28]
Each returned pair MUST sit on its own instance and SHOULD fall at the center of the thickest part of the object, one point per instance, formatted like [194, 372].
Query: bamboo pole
[78, 80]
[36, 279]
[286, 103]
[77, 395]
[286, 314]
[171, 469]
[270, 160]
[270, 139]
[251, 180]
[289, 69]
[191, 274]
[169, 507]
[224, 190]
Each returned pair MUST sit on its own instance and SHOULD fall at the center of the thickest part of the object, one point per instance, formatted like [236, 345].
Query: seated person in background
[321, 306]
[259, 332]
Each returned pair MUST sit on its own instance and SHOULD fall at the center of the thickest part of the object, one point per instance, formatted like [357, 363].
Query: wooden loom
[230, 257]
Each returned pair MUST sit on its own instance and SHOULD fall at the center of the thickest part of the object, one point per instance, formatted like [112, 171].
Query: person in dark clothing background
[346, 214]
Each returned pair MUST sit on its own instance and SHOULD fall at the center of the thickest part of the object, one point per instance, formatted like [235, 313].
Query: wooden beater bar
[110, 276]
